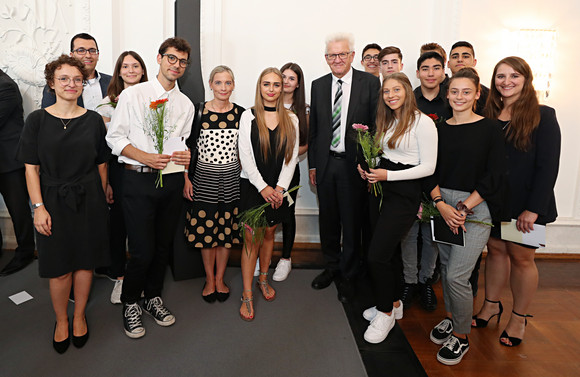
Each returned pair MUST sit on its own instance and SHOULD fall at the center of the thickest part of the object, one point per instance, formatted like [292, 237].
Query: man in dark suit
[12, 180]
[338, 100]
[84, 48]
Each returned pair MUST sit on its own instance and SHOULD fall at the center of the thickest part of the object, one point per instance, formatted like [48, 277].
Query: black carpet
[392, 357]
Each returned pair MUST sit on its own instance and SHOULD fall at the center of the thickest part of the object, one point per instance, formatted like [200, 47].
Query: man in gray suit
[338, 100]
[12, 181]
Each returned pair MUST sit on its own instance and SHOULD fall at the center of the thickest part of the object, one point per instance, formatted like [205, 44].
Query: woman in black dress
[268, 147]
[294, 100]
[65, 154]
[533, 143]
[129, 70]
[214, 188]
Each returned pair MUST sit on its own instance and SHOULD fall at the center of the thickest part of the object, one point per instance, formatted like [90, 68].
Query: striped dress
[211, 220]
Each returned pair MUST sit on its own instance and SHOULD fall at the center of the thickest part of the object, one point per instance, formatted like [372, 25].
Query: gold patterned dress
[212, 219]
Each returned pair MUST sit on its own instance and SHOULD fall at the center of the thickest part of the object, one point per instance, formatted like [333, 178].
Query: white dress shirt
[92, 94]
[418, 147]
[346, 86]
[128, 121]
[248, 161]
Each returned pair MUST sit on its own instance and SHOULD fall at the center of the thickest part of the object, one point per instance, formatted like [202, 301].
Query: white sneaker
[379, 328]
[370, 313]
[257, 269]
[282, 269]
[116, 294]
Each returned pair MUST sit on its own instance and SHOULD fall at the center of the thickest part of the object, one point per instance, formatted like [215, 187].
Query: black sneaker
[453, 350]
[409, 291]
[442, 331]
[428, 299]
[132, 320]
[155, 307]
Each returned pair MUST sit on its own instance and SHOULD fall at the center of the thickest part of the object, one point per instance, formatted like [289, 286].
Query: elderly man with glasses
[338, 100]
[84, 48]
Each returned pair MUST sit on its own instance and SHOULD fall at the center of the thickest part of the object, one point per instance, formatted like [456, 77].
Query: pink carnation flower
[360, 127]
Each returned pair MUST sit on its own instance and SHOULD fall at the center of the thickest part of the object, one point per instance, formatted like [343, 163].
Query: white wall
[250, 35]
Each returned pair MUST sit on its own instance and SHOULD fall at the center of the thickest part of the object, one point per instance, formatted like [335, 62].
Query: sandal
[265, 287]
[513, 341]
[249, 308]
[480, 322]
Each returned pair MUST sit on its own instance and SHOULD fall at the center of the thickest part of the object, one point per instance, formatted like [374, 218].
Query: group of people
[95, 180]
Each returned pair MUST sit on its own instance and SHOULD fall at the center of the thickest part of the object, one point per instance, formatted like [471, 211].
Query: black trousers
[340, 194]
[118, 231]
[151, 216]
[401, 200]
[15, 194]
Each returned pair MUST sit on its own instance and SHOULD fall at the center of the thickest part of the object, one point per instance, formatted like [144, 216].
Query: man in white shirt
[151, 212]
[84, 48]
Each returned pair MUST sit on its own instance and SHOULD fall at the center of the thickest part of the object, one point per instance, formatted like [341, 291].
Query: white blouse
[418, 147]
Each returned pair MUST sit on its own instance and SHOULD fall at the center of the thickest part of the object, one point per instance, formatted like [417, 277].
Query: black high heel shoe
[80, 341]
[514, 342]
[480, 323]
[61, 346]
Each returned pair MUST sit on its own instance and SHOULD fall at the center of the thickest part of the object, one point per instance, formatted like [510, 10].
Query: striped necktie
[336, 110]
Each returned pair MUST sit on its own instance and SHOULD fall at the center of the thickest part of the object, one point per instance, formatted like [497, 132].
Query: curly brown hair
[52, 66]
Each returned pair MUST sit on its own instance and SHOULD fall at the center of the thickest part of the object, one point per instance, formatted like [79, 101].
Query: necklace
[506, 125]
[268, 108]
[65, 124]
[216, 110]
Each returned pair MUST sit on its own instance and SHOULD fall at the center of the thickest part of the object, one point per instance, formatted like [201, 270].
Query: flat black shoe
[323, 280]
[80, 341]
[209, 298]
[61, 346]
[222, 296]
[16, 264]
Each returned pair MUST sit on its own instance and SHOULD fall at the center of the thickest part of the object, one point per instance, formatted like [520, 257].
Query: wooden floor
[552, 343]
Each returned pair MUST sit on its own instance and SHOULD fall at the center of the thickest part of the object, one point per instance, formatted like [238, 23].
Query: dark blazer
[361, 109]
[49, 98]
[532, 174]
[11, 123]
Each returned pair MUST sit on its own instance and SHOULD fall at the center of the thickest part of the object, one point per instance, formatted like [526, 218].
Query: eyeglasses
[368, 58]
[332, 57]
[83, 51]
[65, 80]
[183, 63]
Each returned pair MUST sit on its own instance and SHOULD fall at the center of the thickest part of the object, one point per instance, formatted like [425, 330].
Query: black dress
[211, 219]
[270, 171]
[71, 190]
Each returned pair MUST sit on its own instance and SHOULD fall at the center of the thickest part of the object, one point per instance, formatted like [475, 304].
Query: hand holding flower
[156, 161]
[452, 217]
[376, 175]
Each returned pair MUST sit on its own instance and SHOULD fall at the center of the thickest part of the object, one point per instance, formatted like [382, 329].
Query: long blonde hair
[386, 118]
[286, 136]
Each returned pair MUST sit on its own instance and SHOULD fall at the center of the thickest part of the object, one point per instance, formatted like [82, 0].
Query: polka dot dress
[212, 218]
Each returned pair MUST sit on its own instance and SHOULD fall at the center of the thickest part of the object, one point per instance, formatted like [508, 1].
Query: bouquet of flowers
[254, 220]
[427, 209]
[156, 118]
[371, 150]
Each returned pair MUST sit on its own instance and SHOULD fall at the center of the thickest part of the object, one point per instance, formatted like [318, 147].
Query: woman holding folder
[468, 184]
[533, 142]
